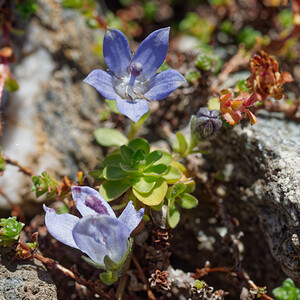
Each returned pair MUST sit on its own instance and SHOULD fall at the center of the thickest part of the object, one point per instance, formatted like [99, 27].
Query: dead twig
[25, 252]
[143, 277]
[25, 170]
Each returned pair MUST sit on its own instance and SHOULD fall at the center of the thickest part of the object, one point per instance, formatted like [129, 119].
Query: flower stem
[122, 284]
[136, 126]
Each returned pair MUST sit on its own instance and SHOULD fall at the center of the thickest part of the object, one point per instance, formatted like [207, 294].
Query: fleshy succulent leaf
[143, 184]
[126, 154]
[180, 143]
[113, 173]
[139, 143]
[110, 137]
[155, 196]
[172, 175]
[187, 201]
[173, 216]
[112, 189]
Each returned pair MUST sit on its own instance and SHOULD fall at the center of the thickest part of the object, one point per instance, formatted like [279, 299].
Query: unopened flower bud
[206, 123]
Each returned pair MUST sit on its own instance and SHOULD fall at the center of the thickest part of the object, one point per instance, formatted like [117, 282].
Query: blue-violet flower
[99, 233]
[132, 79]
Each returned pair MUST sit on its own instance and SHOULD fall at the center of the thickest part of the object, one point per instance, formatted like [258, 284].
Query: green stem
[193, 143]
[136, 126]
[122, 284]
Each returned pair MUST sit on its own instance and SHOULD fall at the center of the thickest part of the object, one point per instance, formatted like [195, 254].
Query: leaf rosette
[135, 167]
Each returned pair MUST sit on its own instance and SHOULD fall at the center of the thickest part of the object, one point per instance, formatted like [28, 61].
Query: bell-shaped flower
[99, 233]
[132, 80]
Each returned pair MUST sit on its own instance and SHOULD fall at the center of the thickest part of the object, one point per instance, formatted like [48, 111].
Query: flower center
[130, 87]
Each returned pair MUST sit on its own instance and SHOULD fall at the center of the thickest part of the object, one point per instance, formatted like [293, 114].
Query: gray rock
[24, 280]
[261, 164]
[49, 121]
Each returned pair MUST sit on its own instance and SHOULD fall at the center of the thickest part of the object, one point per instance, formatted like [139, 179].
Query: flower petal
[98, 236]
[163, 84]
[60, 226]
[133, 109]
[103, 82]
[116, 51]
[152, 52]
[90, 202]
[131, 217]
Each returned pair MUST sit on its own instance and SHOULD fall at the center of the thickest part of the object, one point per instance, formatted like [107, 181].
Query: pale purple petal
[61, 226]
[98, 236]
[103, 82]
[133, 109]
[163, 84]
[90, 202]
[131, 217]
[116, 51]
[152, 52]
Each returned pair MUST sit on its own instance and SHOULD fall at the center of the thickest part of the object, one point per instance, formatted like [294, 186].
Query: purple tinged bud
[136, 69]
[206, 123]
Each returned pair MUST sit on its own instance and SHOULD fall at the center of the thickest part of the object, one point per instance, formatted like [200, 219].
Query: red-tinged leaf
[236, 105]
[232, 117]
[252, 117]
[286, 77]
[251, 100]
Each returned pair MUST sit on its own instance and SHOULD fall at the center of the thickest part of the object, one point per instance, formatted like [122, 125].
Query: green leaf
[153, 157]
[113, 160]
[110, 137]
[109, 277]
[180, 143]
[110, 265]
[11, 84]
[112, 105]
[155, 196]
[126, 154]
[166, 159]
[45, 183]
[187, 201]
[138, 156]
[155, 170]
[189, 186]
[173, 175]
[2, 163]
[111, 190]
[143, 184]
[288, 291]
[113, 173]
[174, 191]
[158, 206]
[10, 231]
[130, 170]
[73, 3]
[96, 174]
[173, 217]
[137, 144]
[192, 76]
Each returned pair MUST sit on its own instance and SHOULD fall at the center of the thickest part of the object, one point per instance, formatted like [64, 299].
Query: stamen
[112, 73]
[141, 96]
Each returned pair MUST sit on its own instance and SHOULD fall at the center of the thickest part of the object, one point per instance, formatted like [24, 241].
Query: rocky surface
[49, 121]
[24, 280]
[261, 165]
